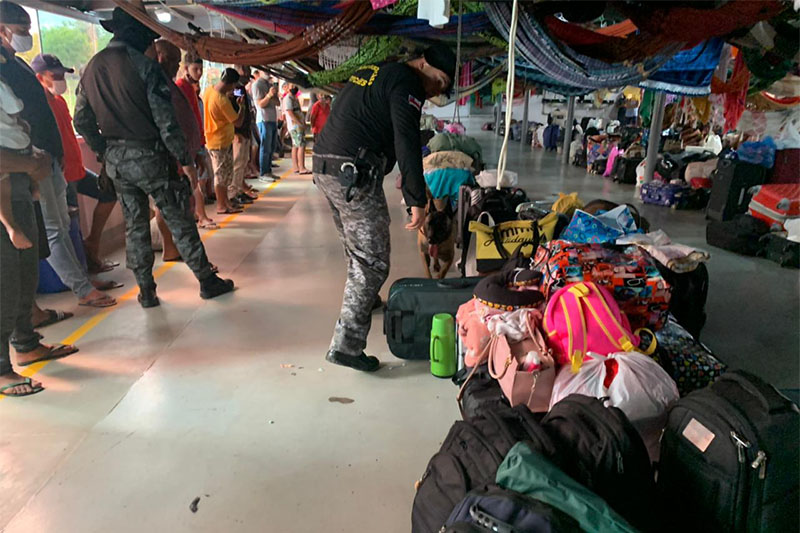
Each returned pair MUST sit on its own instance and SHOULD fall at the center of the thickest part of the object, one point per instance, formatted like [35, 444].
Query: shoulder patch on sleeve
[415, 102]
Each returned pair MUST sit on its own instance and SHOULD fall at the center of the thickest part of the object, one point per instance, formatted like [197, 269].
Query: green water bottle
[443, 346]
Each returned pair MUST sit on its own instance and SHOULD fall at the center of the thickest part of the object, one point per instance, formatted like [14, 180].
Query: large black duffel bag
[410, 308]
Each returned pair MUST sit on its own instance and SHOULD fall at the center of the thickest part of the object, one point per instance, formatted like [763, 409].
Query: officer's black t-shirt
[380, 109]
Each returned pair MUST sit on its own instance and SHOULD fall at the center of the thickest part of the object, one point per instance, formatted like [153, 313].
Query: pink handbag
[582, 318]
[524, 369]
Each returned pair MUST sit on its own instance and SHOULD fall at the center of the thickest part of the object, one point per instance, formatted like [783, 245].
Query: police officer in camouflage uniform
[124, 111]
[374, 122]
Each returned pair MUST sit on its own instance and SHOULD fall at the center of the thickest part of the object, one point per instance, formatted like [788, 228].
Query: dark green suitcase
[410, 308]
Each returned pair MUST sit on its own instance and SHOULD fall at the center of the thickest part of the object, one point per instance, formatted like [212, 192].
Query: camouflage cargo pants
[363, 226]
[141, 172]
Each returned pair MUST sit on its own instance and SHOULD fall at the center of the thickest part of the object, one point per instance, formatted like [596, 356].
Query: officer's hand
[191, 172]
[42, 165]
[417, 218]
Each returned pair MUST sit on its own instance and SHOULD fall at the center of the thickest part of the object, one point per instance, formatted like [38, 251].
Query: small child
[14, 135]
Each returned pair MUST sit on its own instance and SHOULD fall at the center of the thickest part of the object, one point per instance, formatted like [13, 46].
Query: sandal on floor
[98, 267]
[26, 381]
[107, 285]
[231, 211]
[57, 351]
[105, 301]
[208, 225]
[304, 173]
[53, 317]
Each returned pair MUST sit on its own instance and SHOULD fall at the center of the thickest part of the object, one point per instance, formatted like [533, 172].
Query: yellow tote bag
[494, 245]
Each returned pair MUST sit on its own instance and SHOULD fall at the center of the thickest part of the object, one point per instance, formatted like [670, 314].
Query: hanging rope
[457, 81]
[512, 41]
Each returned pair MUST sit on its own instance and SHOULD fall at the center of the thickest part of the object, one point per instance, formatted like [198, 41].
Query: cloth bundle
[677, 257]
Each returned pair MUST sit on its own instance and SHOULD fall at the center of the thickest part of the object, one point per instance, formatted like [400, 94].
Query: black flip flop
[53, 317]
[52, 354]
[108, 285]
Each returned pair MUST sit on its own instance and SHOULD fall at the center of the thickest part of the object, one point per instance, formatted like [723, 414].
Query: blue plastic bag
[758, 153]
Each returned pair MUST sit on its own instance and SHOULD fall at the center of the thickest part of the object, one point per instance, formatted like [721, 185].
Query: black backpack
[741, 235]
[492, 508]
[469, 458]
[598, 447]
[730, 459]
[480, 393]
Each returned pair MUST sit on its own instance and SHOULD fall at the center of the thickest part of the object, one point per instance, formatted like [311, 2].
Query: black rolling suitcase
[410, 308]
[625, 169]
[741, 235]
[730, 458]
[781, 250]
[730, 194]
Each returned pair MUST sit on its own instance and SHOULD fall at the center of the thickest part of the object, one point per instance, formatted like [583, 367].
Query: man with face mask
[45, 135]
[126, 96]
[50, 72]
[20, 274]
[373, 123]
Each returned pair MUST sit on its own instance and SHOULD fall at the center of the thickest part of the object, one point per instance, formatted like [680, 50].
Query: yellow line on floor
[90, 324]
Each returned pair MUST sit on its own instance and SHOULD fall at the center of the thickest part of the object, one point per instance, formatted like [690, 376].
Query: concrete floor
[195, 399]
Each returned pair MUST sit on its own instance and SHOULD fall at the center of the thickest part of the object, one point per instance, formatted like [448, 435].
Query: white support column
[525, 115]
[568, 129]
[654, 140]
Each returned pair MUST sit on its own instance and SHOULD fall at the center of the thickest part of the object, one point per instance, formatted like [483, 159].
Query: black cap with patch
[442, 57]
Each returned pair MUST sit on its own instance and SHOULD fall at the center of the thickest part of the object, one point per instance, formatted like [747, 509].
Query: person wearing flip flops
[293, 114]
[24, 167]
[124, 94]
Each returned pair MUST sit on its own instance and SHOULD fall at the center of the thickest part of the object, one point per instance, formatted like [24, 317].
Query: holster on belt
[359, 172]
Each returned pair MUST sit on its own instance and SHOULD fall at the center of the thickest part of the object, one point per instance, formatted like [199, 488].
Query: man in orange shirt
[221, 120]
[50, 73]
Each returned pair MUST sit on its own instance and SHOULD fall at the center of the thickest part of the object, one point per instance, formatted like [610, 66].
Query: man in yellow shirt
[220, 121]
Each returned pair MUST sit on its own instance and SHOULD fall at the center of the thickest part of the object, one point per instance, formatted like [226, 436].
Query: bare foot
[22, 386]
[45, 352]
[19, 240]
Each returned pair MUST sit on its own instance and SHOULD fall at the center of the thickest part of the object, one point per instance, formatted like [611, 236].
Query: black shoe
[378, 304]
[147, 297]
[244, 199]
[363, 362]
[214, 286]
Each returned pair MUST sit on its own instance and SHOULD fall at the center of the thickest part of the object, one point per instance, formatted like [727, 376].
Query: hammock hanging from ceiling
[535, 78]
[334, 55]
[294, 16]
[689, 72]
[565, 66]
[307, 43]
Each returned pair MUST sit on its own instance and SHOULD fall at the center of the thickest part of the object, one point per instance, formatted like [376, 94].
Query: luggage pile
[682, 180]
[588, 403]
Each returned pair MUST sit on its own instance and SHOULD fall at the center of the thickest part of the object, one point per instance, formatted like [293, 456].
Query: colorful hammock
[307, 43]
[293, 17]
[564, 65]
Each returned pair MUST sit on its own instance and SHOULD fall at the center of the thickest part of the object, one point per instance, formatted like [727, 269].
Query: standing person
[221, 120]
[293, 115]
[375, 123]
[126, 96]
[26, 163]
[189, 84]
[53, 189]
[168, 57]
[319, 114]
[238, 191]
[50, 73]
[265, 96]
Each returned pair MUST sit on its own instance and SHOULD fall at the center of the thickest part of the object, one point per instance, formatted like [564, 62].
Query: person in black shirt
[374, 123]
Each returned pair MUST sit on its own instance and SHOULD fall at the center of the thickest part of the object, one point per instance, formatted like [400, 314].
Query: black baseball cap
[14, 14]
[49, 62]
[442, 57]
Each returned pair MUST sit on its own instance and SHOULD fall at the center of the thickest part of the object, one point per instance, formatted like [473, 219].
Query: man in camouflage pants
[376, 116]
[126, 96]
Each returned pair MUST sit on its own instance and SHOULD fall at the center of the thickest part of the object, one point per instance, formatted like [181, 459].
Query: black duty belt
[154, 144]
[357, 172]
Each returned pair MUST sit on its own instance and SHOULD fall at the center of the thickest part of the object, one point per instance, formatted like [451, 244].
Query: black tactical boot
[363, 362]
[147, 297]
[214, 286]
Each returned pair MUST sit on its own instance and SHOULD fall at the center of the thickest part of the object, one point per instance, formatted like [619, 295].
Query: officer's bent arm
[85, 123]
[407, 146]
[159, 97]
